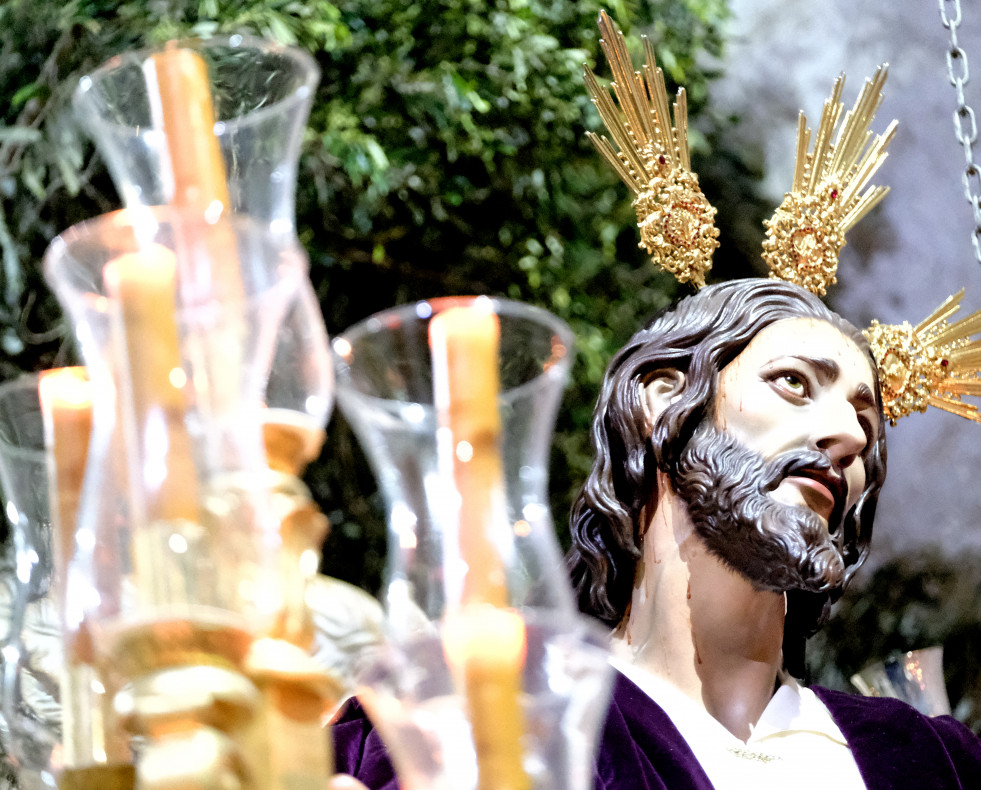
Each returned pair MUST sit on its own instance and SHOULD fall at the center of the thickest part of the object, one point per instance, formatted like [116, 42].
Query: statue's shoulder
[890, 735]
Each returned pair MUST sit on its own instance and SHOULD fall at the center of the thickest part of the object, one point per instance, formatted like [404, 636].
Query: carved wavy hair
[698, 336]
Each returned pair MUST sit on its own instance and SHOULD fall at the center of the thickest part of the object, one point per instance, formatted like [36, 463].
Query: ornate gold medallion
[650, 153]
[807, 231]
[931, 364]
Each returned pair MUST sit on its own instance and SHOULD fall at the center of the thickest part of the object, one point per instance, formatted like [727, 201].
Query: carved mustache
[815, 465]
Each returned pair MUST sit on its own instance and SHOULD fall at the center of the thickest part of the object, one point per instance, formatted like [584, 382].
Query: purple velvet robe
[640, 749]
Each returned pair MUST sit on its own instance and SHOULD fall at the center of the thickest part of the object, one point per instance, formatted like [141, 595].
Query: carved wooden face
[802, 384]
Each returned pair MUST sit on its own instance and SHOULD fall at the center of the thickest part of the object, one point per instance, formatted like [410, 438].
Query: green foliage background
[444, 155]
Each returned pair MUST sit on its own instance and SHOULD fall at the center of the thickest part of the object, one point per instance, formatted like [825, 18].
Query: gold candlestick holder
[180, 572]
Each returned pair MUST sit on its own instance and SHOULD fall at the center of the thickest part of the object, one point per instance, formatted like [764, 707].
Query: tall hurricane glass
[260, 94]
[506, 695]
[31, 654]
[175, 560]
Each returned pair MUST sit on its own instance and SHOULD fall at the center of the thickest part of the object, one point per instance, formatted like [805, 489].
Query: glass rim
[57, 256]
[590, 636]
[423, 309]
[304, 92]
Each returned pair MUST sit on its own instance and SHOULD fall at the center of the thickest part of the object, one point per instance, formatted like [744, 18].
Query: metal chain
[965, 123]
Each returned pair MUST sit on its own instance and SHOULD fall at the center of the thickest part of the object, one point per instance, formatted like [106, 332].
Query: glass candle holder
[175, 566]
[385, 388]
[259, 94]
[214, 126]
[31, 653]
[415, 695]
[916, 677]
[491, 679]
[177, 436]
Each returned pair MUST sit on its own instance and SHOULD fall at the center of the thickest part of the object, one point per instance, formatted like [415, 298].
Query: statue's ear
[660, 390]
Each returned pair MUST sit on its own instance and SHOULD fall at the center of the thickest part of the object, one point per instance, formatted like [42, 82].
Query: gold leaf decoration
[649, 151]
[807, 232]
[931, 364]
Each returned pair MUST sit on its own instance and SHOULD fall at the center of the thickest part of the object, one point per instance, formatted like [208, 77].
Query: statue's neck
[700, 625]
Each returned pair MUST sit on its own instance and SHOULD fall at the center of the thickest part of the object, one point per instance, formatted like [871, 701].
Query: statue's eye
[792, 382]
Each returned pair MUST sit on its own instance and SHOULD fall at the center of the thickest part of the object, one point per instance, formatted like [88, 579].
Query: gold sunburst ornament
[807, 231]
[650, 153]
[931, 364]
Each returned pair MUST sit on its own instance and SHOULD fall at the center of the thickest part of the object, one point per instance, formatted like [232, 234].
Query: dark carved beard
[776, 546]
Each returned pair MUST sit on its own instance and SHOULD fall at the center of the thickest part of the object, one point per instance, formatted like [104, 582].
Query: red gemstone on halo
[834, 194]
[661, 159]
[944, 363]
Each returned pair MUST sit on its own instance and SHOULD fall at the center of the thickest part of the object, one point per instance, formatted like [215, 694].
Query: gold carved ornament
[807, 231]
[650, 153]
[931, 364]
